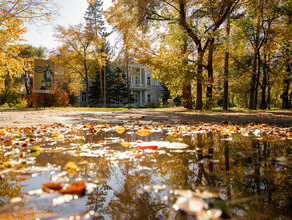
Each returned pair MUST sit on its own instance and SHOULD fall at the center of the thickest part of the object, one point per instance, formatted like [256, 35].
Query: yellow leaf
[144, 132]
[120, 130]
[71, 167]
[126, 144]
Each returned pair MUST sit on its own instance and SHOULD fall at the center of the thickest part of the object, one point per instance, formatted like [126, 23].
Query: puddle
[93, 171]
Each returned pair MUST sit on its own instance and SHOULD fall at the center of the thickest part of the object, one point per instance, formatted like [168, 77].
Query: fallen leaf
[120, 130]
[78, 188]
[151, 147]
[35, 148]
[57, 135]
[144, 132]
[126, 144]
[52, 186]
[2, 133]
[71, 165]
[174, 134]
[7, 142]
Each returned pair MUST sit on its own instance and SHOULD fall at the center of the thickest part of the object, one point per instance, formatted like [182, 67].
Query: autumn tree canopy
[182, 40]
[14, 18]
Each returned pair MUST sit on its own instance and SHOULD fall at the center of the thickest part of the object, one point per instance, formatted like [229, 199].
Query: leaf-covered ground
[140, 116]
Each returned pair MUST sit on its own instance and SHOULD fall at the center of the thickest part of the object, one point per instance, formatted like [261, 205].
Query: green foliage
[116, 86]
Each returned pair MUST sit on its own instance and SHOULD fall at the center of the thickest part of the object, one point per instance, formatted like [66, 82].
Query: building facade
[146, 91]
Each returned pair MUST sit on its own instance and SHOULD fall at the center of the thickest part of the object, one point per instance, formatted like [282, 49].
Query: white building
[146, 91]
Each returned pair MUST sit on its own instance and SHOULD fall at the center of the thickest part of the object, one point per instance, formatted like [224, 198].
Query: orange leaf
[2, 133]
[55, 134]
[7, 142]
[152, 147]
[78, 188]
[174, 134]
[52, 186]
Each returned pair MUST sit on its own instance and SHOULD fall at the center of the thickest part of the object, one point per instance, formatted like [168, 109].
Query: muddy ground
[139, 116]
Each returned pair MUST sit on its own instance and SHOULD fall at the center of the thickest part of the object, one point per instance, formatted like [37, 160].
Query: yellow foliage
[14, 15]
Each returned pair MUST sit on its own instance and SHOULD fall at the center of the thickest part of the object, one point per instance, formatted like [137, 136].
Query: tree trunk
[87, 90]
[285, 94]
[226, 69]
[210, 75]
[128, 81]
[264, 85]
[253, 85]
[253, 82]
[101, 87]
[269, 97]
[29, 104]
[104, 87]
[186, 87]
[187, 95]
[257, 80]
[199, 98]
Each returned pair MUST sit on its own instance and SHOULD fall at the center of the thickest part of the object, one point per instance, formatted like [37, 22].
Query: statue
[48, 78]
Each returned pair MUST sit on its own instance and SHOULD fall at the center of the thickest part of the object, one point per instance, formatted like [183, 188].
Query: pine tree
[93, 17]
[116, 87]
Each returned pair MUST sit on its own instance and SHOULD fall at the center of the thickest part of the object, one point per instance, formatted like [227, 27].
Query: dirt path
[138, 116]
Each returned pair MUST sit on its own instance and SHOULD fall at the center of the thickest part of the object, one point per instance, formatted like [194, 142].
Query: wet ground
[138, 171]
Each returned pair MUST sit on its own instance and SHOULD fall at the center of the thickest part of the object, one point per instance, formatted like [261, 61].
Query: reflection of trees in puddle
[130, 201]
[240, 168]
[10, 186]
[248, 173]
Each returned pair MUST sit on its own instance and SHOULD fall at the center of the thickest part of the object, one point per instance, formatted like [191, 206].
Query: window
[83, 97]
[143, 76]
[143, 97]
[149, 99]
[137, 80]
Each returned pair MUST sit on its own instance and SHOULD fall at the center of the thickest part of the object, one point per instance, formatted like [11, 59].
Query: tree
[198, 20]
[14, 16]
[28, 53]
[261, 34]
[226, 67]
[93, 17]
[78, 53]
[95, 23]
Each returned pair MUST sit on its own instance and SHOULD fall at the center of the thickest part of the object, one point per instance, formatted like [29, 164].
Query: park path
[139, 116]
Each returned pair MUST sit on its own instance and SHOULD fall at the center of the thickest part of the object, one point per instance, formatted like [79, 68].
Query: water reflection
[251, 175]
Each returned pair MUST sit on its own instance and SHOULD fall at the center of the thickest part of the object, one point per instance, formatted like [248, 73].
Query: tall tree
[95, 23]
[226, 67]
[198, 19]
[262, 33]
[77, 52]
[14, 16]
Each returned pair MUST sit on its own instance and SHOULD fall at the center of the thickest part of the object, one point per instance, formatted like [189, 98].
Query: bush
[59, 99]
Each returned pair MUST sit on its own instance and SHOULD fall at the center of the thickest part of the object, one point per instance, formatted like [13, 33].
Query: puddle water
[93, 171]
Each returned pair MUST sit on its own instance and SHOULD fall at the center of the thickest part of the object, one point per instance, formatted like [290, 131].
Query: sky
[71, 13]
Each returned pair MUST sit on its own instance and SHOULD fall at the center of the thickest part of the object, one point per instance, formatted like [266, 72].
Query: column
[140, 104]
[140, 76]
